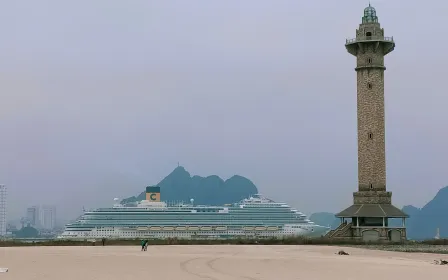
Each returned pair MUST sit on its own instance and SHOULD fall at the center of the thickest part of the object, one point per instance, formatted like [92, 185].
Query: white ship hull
[185, 233]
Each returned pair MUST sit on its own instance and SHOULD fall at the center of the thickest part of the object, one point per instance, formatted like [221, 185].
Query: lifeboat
[142, 228]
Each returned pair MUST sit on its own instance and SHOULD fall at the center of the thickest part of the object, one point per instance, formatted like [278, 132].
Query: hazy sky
[100, 98]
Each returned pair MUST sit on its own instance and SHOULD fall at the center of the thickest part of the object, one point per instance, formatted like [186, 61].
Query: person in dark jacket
[143, 243]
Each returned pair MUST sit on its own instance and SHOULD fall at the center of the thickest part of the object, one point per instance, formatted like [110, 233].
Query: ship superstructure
[256, 216]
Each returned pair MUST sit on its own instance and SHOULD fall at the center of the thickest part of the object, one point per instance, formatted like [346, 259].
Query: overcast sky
[99, 98]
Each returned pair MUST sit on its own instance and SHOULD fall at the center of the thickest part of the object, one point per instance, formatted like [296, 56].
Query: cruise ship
[253, 217]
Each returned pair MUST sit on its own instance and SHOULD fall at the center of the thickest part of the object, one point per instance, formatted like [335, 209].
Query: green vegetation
[409, 248]
[430, 246]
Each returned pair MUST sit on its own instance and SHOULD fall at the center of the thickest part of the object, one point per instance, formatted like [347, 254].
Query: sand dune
[215, 263]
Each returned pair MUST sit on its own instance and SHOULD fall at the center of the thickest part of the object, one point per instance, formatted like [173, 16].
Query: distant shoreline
[439, 246]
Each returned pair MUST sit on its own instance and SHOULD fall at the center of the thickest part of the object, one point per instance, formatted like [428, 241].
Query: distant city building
[48, 217]
[11, 227]
[3, 208]
[33, 216]
[41, 217]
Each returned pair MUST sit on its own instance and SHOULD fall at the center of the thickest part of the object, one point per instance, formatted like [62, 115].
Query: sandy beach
[224, 262]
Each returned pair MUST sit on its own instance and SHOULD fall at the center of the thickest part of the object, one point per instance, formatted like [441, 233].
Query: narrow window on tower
[370, 136]
[369, 60]
[371, 186]
[369, 85]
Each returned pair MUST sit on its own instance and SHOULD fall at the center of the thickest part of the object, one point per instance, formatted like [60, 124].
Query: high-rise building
[48, 217]
[33, 216]
[3, 208]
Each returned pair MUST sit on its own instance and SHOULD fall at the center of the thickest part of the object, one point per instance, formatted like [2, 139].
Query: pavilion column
[384, 222]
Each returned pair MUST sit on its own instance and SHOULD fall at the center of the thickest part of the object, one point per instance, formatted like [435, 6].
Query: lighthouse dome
[369, 15]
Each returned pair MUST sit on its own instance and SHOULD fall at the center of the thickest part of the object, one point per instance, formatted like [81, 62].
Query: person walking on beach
[146, 244]
[143, 243]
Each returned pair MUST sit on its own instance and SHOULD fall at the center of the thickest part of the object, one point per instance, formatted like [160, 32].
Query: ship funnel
[153, 194]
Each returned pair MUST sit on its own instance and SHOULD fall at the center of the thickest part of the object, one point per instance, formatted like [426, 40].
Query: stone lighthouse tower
[372, 203]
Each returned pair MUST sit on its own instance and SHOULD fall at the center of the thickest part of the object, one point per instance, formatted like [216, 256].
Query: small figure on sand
[343, 253]
[103, 240]
[441, 262]
[144, 245]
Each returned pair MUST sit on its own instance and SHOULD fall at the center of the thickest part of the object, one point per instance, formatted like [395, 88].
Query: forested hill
[179, 185]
